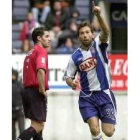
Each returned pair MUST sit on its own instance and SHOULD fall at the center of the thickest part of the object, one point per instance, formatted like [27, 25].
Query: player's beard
[86, 44]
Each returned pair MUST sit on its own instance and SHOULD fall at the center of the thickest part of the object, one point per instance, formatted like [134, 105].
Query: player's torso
[86, 60]
[91, 69]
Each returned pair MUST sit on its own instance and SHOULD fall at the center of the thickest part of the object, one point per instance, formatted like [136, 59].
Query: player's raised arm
[105, 29]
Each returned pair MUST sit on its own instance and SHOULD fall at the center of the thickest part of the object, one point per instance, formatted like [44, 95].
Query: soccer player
[96, 100]
[35, 80]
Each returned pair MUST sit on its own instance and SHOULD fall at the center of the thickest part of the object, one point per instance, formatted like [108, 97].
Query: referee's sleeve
[71, 70]
[41, 60]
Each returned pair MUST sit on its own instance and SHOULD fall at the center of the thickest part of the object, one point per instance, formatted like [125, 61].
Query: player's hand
[74, 85]
[95, 9]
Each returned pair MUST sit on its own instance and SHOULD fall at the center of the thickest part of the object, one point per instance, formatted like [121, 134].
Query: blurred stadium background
[64, 120]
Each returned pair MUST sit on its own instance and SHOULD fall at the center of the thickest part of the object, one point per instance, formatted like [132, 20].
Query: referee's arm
[41, 80]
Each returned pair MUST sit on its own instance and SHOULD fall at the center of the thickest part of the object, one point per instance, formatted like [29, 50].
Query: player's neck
[86, 48]
[39, 44]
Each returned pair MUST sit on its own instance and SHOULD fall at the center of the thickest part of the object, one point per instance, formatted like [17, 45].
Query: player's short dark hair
[84, 24]
[39, 31]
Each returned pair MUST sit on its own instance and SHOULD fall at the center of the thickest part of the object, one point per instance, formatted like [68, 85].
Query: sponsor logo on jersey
[88, 64]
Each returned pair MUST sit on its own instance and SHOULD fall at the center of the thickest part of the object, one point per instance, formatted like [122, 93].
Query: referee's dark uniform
[34, 103]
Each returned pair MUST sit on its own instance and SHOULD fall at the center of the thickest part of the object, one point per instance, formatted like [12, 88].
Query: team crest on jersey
[88, 64]
[79, 59]
[92, 49]
[43, 60]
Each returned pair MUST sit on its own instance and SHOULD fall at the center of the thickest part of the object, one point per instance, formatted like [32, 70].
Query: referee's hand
[45, 95]
[43, 92]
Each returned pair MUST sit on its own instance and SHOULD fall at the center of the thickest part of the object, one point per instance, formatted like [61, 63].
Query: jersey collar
[90, 47]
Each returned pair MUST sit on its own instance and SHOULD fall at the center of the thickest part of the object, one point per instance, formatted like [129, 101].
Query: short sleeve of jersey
[71, 70]
[97, 39]
[102, 49]
[41, 60]
[101, 45]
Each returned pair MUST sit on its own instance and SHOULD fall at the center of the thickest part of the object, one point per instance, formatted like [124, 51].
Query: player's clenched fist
[74, 85]
[96, 9]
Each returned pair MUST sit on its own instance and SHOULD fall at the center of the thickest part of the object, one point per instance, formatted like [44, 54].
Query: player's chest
[87, 60]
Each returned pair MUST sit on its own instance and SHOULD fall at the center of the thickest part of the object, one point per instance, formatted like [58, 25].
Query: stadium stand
[83, 7]
[16, 43]
[20, 9]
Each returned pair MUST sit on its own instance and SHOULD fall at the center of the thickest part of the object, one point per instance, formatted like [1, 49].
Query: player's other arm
[70, 82]
[41, 80]
[70, 75]
[105, 29]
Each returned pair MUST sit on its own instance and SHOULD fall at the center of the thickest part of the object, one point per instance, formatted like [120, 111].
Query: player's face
[45, 40]
[85, 36]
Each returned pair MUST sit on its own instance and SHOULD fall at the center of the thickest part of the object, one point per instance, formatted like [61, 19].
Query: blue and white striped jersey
[92, 66]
